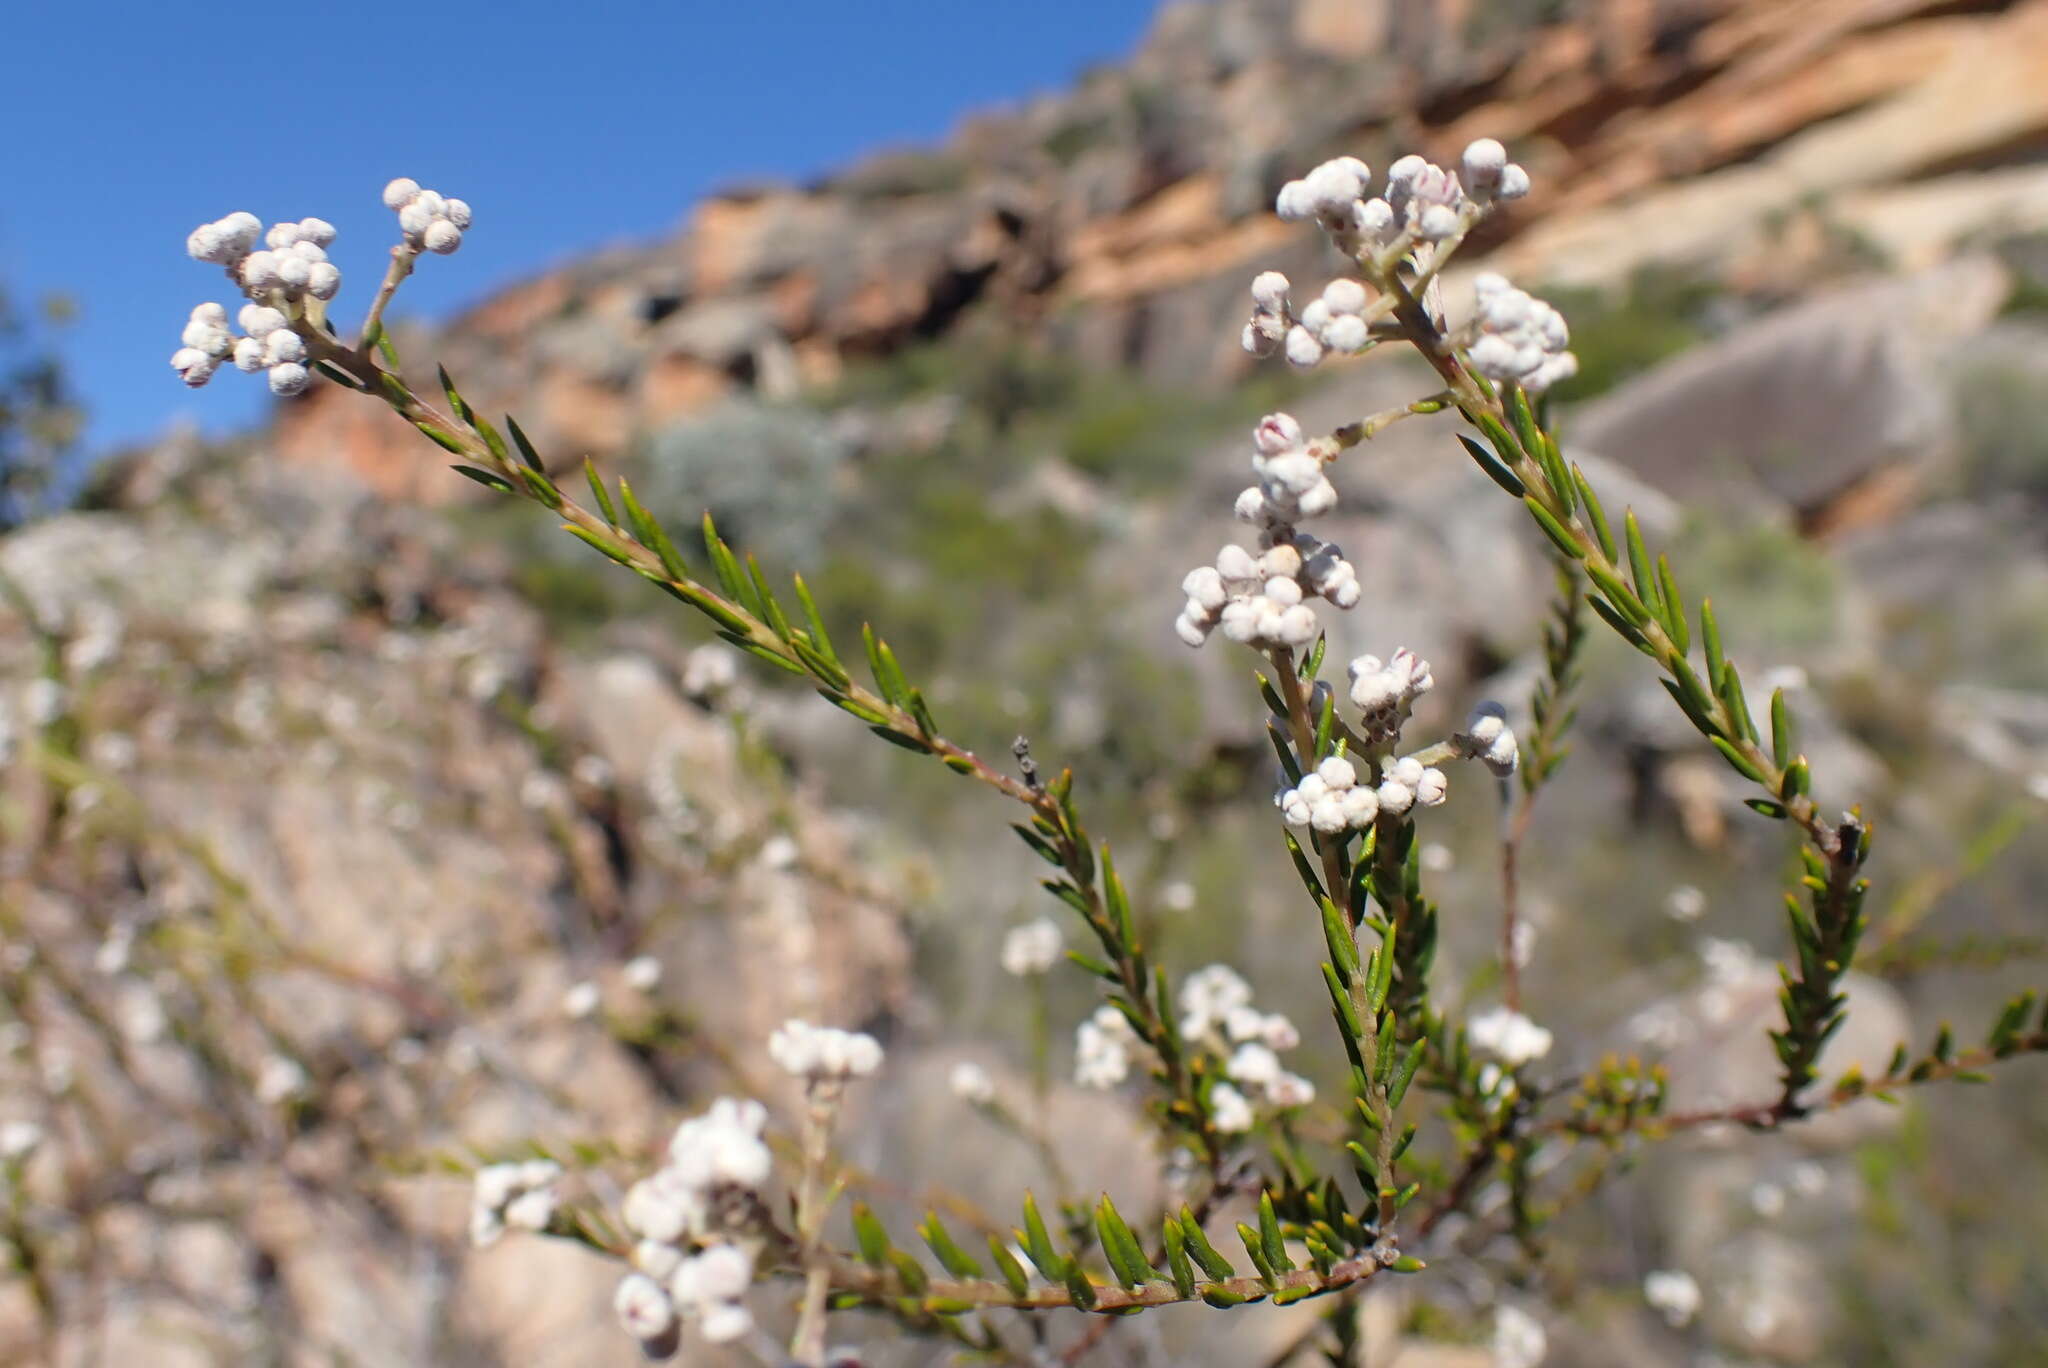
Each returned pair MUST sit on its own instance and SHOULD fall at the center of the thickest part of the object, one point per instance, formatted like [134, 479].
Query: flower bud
[283, 345]
[1514, 182]
[259, 320]
[323, 280]
[281, 236]
[317, 231]
[289, 378]
[259, 270]
[399, 192]
[1484, 161]
[249, 355]
[457, 212]
[1269, 291]
[442, 237]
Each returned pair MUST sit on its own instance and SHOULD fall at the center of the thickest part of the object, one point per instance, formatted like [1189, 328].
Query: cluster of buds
[1509, 1037]
[429, 220]
[1385, 692]
[1032, 949]
[1260, 600]
[1334, 321]
[288, 281]
[1425, 212]
[823, 1053]
[1217, 1012]
[1518, 337]
[278, 278]
[1488, 738]
[685, 1266]
[1103, 1045]
[512, 1197]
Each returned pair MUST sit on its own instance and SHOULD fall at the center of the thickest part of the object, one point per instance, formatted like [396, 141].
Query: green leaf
[1674, 607]
[1710, 644]
[1038, 1244]
[1639, 564]
[1215, 1265]
[869, 1235]
[821, 640]
[1747, 767]
[485, 478]
[1623, 628]
[726, 567]
[1553, 529]
[1781, 729]
[1177, 1264]
[1737, 703]
[1120, 1247]
[909, 1272]
[1618, 594]
[1409, 1065]
[1269, 1235]
[597, 492]
[1006, 1264]
[951, 1256]
[609, 548]
[1494, 469]
[1343, 945]
[882, 665]
[442, 438]
[455, 402]
[527, 455]
[1596, 516]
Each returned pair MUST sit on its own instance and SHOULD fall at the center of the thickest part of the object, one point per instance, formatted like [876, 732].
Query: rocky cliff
[1766, 144]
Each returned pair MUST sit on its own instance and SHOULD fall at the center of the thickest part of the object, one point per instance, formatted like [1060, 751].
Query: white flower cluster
[1261, 600]
[428, 219]
[1424, 206]
[1334, 321]
[1385, 691]
[1509, 1037]
[717, 1164]
[292, 266]
[1518, 337]
[1331, 799]
[1674, 1294]
[512, 1196]
[1102, 1049]
[1216, 1009]
[1032, 948]
[1518, 1339]
[823, 1052]
[1488, 739]
[970, 1083]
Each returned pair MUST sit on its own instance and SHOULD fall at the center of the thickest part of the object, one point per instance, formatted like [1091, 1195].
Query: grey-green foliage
[2002, 407]
[771, 474]
[39, 416]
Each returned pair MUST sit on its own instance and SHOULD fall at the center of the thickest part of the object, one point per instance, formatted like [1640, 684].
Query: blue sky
[564, 126]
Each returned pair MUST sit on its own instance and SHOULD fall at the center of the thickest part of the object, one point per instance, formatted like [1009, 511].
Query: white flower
[1509, 1037]
[1517, 337]
[1208, 997]
[1674, 1294]
[1228, 1110]
[643, 1308]
[18, 1140]
[724, 1322]
[280, 1079]
[581, 1001]
[289, 378]
[1032, 948]
[520, 1196]
[971, 1083]
[1102, 1049]
[642, 973]
[1518, 1339]
[1253, 1064]
[709, 1285]
[823, 1052]
[1685, 903]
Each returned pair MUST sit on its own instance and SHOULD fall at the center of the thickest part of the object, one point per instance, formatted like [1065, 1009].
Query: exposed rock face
[1119, 219]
